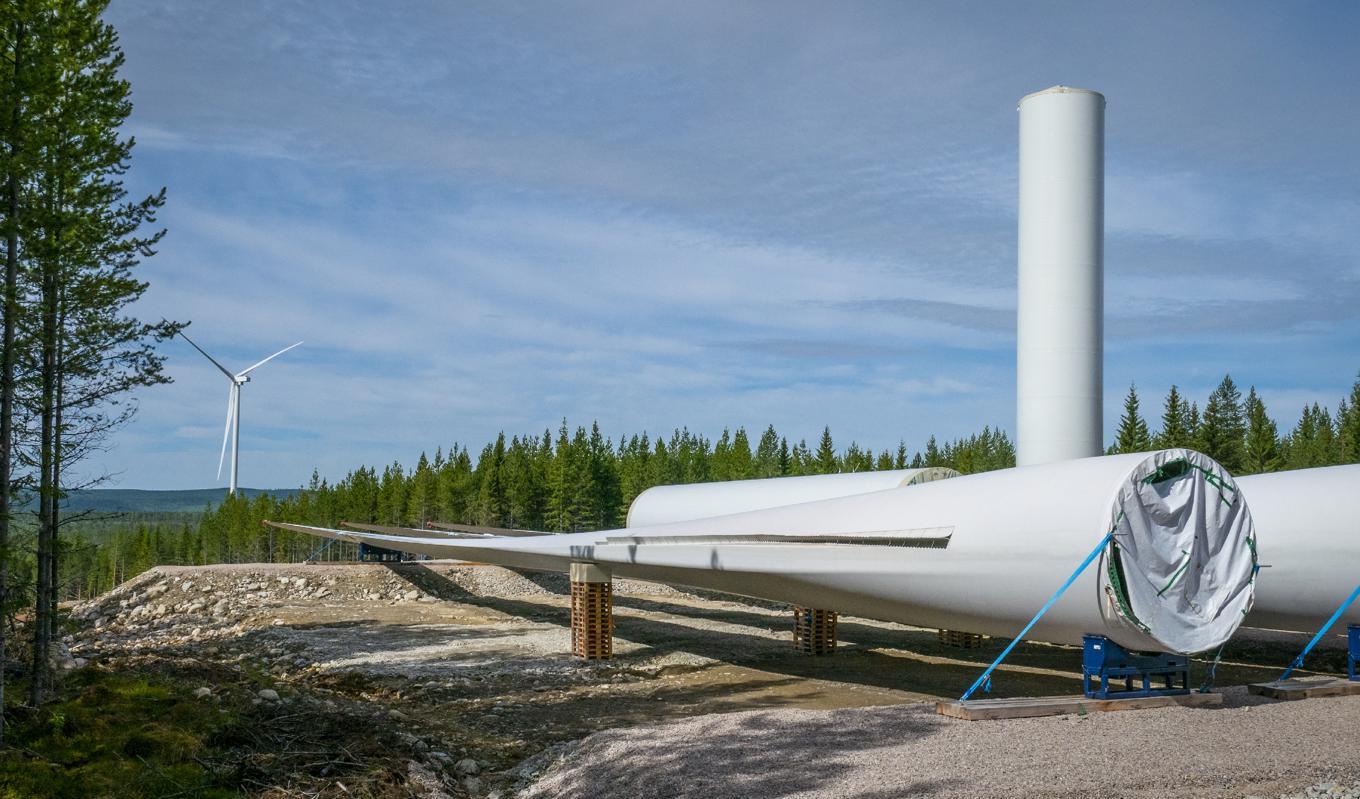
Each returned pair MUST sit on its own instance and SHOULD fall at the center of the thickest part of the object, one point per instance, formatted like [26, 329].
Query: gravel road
[1248, 747]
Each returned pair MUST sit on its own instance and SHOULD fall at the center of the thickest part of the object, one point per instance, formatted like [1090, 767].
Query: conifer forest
[580, 479]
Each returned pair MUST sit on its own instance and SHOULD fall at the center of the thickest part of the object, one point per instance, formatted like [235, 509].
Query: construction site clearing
[468, 670]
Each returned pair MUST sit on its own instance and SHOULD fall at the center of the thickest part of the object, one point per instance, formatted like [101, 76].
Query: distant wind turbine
[233, 429]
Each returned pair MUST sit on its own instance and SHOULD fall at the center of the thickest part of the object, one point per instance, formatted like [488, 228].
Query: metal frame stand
[1103, 661]
[371, 554]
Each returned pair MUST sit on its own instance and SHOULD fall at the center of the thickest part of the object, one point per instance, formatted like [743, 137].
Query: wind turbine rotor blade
[246, 370]
[226, 433]
[209, 357]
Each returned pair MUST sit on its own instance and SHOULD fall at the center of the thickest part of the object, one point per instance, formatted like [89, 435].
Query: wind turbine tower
[233, 428]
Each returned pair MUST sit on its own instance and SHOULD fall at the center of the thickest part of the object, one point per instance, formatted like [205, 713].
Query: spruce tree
[1173, 432]
[1262, 451]
[826, 462]
[1222, 430]
[1133, 430]
[1348, 426]
[739, 462]
[767, 454]
[933, 456]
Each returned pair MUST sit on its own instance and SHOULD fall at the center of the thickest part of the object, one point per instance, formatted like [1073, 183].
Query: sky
[486, 217]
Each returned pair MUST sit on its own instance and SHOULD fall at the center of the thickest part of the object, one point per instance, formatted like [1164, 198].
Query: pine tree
[933, 456]
[1173, 432]
[1133, 430]
[1222, 431]
[16, 117]
[84, 246]
[767, 454]
[1262, 451]
[740, 465]
[1348, 426]
[1313, 442]
[826, 462]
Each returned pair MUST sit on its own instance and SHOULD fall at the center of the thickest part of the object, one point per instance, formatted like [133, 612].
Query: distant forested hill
[131, 500]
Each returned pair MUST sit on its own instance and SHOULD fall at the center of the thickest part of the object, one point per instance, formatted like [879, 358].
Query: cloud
[491, 217]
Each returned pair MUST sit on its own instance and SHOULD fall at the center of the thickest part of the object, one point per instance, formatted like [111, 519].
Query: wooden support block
[814, 631]
[592, 612]
[1306, 689]
[1031, 706]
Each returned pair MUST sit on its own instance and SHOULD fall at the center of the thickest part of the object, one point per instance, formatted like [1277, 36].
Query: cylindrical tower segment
[1061, 276]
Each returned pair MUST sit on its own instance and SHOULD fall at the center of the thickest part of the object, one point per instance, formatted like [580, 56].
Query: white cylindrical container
[1311, 522]
[1060, 312]
[677, 503]
[980, 553]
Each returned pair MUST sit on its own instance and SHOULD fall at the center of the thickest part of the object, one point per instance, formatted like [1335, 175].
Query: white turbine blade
[246, 370]
[226, 433]
[206, 355]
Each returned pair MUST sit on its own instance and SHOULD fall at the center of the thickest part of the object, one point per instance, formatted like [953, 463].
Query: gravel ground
[704, 697]
[1249, 747]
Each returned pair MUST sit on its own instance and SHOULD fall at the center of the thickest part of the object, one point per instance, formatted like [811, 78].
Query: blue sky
[489, 216]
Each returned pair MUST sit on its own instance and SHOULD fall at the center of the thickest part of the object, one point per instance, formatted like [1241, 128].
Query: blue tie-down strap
[1298, 661]
[986, 678]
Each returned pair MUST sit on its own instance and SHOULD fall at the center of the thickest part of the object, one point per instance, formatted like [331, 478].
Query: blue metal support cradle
[1104, 661]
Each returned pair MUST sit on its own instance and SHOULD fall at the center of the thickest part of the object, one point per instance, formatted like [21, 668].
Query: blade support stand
[1105, 662]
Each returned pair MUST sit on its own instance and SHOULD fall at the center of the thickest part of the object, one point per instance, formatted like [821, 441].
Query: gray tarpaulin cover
[1182, 563]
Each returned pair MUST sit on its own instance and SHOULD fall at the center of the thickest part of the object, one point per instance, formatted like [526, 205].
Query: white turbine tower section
[1061, 276]
[1311, 522]
[232, 431]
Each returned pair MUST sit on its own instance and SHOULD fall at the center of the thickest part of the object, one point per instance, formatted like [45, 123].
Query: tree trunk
[42, 634]
[54, 512]
[7, 365]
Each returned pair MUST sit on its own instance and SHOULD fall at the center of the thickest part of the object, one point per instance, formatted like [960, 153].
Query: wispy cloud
[491, 217]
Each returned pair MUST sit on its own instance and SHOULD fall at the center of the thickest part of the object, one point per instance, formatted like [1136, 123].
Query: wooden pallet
[592, 620]
[1306, 689]
[1031, 706]
[814, 631]
[961, 640]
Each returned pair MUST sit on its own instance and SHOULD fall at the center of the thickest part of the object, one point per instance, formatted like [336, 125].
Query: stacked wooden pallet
[961, 639]
[814, 631]
[592, 620]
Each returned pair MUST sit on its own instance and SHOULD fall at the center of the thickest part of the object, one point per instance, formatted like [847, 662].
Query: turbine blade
[206, 355]
[246, 370]
[226, 433]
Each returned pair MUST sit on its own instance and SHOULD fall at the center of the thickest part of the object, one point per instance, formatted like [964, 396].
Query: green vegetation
[116, 736]
[70, 348]
[127, 732]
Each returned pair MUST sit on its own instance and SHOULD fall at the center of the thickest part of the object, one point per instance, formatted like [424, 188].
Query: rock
[472, 785]
[268, 694]
[202, 693]
[466, 767]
